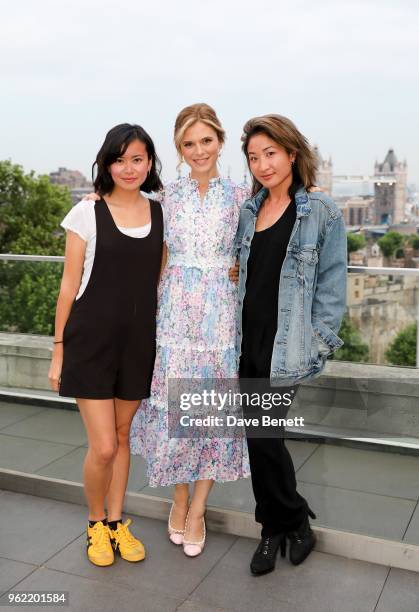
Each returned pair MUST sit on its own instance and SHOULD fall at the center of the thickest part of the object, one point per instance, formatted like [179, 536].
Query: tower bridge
[359, 178]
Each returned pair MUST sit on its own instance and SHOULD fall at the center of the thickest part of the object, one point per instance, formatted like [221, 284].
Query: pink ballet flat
[175, 535]
[193, 549]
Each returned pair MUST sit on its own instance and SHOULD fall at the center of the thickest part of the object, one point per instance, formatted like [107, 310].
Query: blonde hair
[283, 131]
[192, 114]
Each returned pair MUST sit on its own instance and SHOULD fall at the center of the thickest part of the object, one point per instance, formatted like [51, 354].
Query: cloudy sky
[347, 73]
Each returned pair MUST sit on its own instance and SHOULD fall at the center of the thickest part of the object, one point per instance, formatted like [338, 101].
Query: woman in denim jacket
[291, 244]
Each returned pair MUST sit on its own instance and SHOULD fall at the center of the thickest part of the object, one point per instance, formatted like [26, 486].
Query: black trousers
[279, 506]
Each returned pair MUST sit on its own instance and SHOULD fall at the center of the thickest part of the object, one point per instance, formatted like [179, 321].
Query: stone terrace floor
[351, 489]
[42, 547]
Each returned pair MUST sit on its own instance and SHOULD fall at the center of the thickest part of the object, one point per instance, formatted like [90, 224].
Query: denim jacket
[312, 287]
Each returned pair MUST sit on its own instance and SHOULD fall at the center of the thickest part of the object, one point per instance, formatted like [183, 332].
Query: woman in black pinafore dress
[105, 326]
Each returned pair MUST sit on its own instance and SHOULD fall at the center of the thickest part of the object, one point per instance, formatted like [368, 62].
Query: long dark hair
[115, 144]
[283, 131]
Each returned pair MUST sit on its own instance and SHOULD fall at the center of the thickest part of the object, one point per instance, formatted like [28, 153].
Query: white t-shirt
[82, 220]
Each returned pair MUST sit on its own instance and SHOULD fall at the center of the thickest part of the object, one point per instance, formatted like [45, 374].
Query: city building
[355, 289]
[407, 229]
[77, 183]
[390, 190]
[375, 258]
[356, 210]
[73, 179]
[324, 177]
[381, 306]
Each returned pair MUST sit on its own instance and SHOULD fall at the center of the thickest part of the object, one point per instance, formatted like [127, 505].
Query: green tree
[353, 349]
[31, 209]
[402, 351]
[390, 242]
[355, 242]
[414, 241]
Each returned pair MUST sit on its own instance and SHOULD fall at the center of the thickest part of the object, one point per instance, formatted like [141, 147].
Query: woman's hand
[233, 273]
[54, 374]
[92, 196]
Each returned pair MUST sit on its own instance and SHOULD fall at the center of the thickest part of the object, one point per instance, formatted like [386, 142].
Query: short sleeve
[81, 219]
[157, 196]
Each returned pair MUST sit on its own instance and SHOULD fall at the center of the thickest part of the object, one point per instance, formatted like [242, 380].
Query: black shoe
[302, 541]
[263, 560]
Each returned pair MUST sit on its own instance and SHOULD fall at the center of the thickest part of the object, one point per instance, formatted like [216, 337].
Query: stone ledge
[34, 354]
[369, 398]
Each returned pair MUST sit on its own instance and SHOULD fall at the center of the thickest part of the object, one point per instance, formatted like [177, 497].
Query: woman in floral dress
[195, 326]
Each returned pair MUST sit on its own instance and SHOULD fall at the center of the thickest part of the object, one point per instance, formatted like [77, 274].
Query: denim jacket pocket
[329, 342]
[306, 258]
[306, 254]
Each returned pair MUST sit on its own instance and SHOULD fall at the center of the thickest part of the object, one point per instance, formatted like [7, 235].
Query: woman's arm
[233, 272]
[75, 249]
[163, 259]
[329, 300]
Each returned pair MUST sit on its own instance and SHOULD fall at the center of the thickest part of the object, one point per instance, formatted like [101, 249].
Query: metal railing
[13, 257]
[375, 270]
[365, 269]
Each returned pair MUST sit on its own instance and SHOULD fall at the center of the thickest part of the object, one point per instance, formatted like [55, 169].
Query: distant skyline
[346, 74]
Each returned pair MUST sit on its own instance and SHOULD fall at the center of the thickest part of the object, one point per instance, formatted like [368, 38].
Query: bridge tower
[324, 177]
[390, 181]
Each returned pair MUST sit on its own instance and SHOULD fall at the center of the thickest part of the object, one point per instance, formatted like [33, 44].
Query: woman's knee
[104, 453]
[122, 434]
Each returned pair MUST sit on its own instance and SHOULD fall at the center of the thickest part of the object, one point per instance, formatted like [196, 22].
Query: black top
[260, 307]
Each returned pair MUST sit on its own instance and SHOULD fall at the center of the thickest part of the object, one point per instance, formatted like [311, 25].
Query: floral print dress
[195, 331]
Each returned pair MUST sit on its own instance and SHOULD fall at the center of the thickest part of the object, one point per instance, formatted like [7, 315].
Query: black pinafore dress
[110, 335]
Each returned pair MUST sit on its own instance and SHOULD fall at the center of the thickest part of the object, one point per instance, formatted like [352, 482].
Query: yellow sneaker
[99, 547]
[123, 541]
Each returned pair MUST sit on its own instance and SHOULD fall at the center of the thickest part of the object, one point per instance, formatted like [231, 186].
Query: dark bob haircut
[115, 145]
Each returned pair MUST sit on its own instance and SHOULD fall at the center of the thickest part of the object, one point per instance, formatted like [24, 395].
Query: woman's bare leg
[124, 413]
[99, 420]
[180, 505]
[202, 489]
